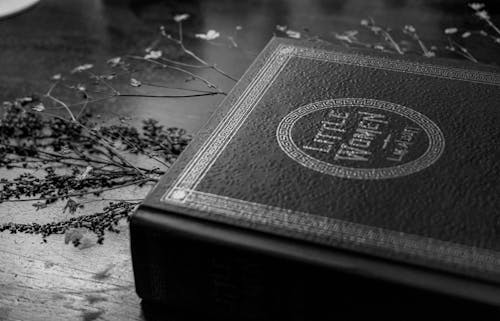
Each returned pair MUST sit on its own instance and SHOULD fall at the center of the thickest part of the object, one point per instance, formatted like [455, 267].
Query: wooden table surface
[56, 281]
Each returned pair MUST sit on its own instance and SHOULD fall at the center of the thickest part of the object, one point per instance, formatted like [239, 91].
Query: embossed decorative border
[308, 226]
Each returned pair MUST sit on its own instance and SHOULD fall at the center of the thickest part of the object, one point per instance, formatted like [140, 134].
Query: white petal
[181, 17]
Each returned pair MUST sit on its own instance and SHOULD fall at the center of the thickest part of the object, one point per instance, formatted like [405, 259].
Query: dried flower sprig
[481, 13]
[97, 223]
[234, 36]
[72, 164]
[350, 37]
[210, 35]
[385, 33]
[457, 48]
[289, 32]
[65, 157]
[412, 32]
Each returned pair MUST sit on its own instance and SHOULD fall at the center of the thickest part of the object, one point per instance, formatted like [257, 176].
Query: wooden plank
[49, 281]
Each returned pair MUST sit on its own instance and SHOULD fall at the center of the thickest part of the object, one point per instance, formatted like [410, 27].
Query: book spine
[202, 279]
[191, 277]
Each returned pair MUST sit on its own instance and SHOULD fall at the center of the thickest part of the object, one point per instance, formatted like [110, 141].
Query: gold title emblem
[360, 138]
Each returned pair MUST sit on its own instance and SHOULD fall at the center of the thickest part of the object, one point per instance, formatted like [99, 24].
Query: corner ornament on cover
[287, 50]
[360, 138]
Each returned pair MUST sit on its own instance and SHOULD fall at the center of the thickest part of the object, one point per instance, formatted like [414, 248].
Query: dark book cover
[335, 165]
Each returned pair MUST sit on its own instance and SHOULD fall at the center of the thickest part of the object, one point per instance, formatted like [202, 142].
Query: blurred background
[55, 36]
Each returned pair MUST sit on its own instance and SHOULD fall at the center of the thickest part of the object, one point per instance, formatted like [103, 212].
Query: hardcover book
[370, 176]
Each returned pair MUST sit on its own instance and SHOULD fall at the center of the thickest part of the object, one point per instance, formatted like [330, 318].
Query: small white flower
[82, 68]
[163, 32]
[210, 35]
[281, 28]
[38, 107]
[429, 54]
[351, 33]
[476, 5]
[343, 38]
[135, 83]
[483, 14]
[81, 87]
[466, 34]
[25, 100]
[375, 29]
[181, 17]
[379, 47]
[364, 22]
[409, 28]
[483, 33]
[153, 54]
[113, 62]
[293, 34]
[239, 28]
[57, 77]
[108, 77]
[450, 31]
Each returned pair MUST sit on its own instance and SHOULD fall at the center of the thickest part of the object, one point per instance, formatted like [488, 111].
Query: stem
[87, 159]
[214, 67]
[183, 63]
[194, 56]
[492, 25]
[75, 121]
[179, 88]
[134, 201]
[144, 151]
[463, 51]
[90, 101]
[49, 95]
[206, 81]
[231, 40]
[422, 45]
[102, 140]
[180, 31]
[83, 108]
[169, 96]
[393, 43]
[99, 79]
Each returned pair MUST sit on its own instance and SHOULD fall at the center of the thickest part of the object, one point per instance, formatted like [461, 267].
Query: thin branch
[86, 103]
[144, 151]
[206, 81]
[179, 88]
[89, 160]
[385, 34]
[193, 55]
[460, 50]
[169, 96]
[492, 25]
[49, 95]
[183, 63]
[102, 140]
[99, 79]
